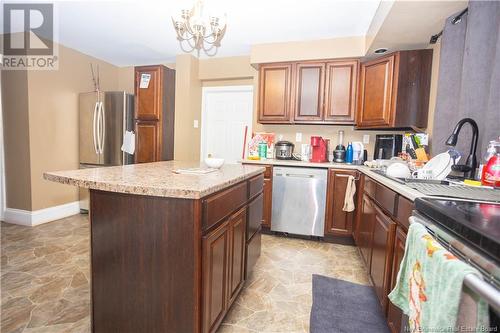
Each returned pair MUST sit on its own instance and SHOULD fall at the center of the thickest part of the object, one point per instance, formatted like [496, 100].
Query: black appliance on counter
[387, 146]
[284, 150]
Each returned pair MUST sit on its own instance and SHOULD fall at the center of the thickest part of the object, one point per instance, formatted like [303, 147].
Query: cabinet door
[237, 228]
[338, 222]
[268, 203]
[147, 141]
[380, 269]
[394, 314]
[309, 89]
[375, 107]
[366, 230]
[275, 88]
[255, 215]
[340, 91]
[215, 276]
[148, 101]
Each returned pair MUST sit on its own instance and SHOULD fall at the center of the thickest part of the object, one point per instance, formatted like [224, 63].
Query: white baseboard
[33, 218]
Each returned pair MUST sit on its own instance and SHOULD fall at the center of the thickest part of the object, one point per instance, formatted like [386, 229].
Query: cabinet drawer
[405, 208]
[221, 204]
[255, 210]
[369, 187]
[253, 252]
[386, 198]
[255, 186]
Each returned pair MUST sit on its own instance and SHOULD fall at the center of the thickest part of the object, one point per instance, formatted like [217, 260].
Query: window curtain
[469, 78]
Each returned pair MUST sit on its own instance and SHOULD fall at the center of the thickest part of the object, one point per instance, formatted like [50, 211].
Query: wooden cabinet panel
[337, 221]
[215, 276]
[375, 93]
[255, 186]
[405, 209]
[268, 203]
[382, 247]
[237, 233]
[394, 314]
[253, 253]
[309, 91]
[146, 146]
[148, 100]
[366, 230]
[219, 205]
[255, 214]
[275, 87]
[340, 91]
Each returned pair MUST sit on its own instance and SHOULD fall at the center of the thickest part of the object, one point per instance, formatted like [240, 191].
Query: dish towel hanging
[429, 285]
[349, 195]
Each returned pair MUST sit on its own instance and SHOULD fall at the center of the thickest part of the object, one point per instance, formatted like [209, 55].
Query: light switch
[298, 137]
[366, 138]
[195, 124]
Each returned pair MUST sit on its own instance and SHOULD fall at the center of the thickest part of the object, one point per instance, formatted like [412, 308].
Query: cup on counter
[305, 152]
[422, 174]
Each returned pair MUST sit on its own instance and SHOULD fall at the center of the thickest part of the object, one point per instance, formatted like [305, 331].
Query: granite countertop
[401, 189]
[156, 179]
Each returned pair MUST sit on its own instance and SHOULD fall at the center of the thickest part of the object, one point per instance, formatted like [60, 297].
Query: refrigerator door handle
[94, 127]
[103, 129]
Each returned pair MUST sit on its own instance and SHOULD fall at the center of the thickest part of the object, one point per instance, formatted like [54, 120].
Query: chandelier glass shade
[197, 32]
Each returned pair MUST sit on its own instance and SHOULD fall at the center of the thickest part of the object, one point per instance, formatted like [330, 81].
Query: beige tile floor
[45, 280]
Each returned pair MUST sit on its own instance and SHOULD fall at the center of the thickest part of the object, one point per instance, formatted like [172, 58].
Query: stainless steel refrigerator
[103, 119]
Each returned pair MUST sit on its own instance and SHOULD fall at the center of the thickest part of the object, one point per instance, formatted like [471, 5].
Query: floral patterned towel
[429, 284]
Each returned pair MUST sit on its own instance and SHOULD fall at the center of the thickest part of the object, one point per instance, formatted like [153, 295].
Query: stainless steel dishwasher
[299, 197]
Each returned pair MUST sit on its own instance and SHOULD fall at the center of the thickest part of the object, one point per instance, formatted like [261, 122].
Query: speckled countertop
[156, 179]
[404, 190]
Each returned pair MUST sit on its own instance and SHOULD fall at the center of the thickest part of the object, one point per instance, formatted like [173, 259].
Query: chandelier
[196, 32]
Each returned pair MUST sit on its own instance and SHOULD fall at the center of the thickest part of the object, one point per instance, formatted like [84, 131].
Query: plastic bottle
[491, 172]
[493, 148]
[349, 153]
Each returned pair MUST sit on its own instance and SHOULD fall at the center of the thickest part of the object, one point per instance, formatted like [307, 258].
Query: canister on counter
[263, 150]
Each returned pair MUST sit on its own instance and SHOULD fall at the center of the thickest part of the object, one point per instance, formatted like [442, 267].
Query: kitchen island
[169, 252]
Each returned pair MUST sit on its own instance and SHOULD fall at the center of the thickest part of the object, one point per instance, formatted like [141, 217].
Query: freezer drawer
[299, 199]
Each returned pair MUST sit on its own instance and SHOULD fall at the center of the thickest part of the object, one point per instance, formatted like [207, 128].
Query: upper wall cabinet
[394, 91]
[310, 81]
[309, 92]
[275, 91]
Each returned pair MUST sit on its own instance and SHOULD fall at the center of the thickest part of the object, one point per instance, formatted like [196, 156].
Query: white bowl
[215, 163]
[398, 170]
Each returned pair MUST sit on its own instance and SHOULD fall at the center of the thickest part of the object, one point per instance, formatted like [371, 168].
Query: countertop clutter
[401, 189]
[156, 179]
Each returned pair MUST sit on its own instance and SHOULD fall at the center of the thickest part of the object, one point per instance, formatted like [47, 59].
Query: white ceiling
[140, 32]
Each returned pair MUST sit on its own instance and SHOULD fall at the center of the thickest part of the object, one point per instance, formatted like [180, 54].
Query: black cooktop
[476, 223]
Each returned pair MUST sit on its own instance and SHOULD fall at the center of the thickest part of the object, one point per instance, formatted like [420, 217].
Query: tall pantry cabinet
[154, 113]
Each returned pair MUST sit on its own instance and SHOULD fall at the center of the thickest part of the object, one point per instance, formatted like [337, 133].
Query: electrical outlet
[195, 124]
[366, 138]
[298, 137]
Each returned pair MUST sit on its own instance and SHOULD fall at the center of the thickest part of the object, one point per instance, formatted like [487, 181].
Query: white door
[225, 113]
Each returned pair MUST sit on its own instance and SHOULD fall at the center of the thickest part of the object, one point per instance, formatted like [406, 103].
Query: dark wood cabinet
[394, 314]
[365, 228]
[309, 90]
[268, 203]
[337, 221]
[382, 247]
[340, 91]
[216, 247]
[147, 149]
[237, 236]
[394, 90]
[275, 93]
[154, 113]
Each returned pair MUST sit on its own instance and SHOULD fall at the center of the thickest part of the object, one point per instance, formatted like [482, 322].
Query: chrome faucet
[469, 168]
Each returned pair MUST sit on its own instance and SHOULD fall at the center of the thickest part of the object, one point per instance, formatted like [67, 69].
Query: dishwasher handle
[296, 175]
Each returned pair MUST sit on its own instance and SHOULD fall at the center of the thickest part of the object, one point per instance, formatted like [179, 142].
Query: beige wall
[41, 126]
[16, 139]
[187, 109]
[346, 47]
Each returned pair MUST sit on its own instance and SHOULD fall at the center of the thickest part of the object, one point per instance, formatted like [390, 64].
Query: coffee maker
[387, 146]
[319, 148]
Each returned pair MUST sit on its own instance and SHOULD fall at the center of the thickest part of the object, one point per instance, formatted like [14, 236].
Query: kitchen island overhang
[169, 252]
